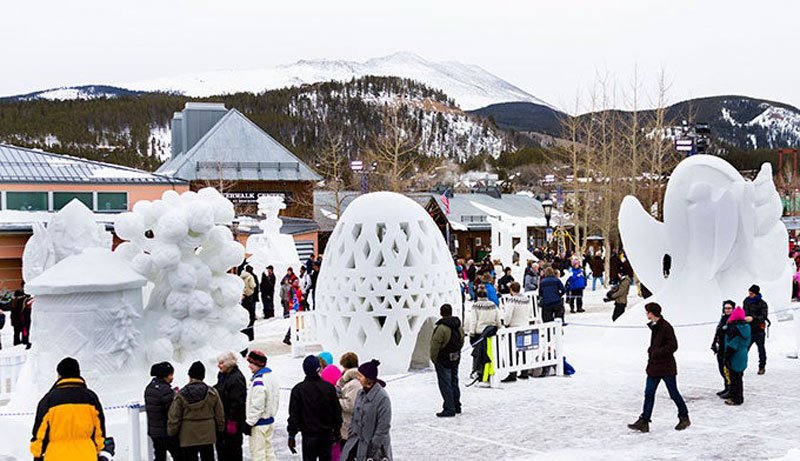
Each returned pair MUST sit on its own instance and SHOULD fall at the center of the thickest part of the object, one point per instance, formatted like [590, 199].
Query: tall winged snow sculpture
[723, 233]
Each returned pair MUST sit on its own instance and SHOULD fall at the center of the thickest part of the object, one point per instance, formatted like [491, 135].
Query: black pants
[249, 303]
[736, 392]
[229, 447]
[721, 367]
[162, 445]
[19, 338]
[269, 306]
[757, 336]
[317, 448]
[619, 309]
[575, 300]
[201, 452]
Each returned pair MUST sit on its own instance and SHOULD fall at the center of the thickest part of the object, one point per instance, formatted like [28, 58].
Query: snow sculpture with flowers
[181, 245]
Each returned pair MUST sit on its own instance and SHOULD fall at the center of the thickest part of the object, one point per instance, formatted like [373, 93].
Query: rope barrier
[135, 405]
[682, 325]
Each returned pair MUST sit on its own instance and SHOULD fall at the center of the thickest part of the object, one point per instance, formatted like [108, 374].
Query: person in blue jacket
[491, 291]
[737, 341]
[551, 292]
[575, 286]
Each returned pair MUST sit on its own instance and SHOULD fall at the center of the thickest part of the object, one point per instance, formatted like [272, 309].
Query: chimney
[198, 119]
[177, 134]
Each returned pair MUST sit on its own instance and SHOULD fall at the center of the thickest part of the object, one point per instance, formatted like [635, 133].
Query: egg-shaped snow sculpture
[386, 272]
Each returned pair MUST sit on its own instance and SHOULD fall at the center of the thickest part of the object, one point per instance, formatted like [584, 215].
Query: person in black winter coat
[314, 410]
[551, 292]
[718, 344]
[17, 306]
[158, 396]
[756, 310]
[232, 388]
[267, 287]
[504, 282]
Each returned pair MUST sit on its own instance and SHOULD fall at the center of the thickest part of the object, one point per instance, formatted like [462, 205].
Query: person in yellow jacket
[69, 423]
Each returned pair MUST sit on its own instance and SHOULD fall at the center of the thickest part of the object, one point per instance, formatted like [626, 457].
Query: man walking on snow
[446, 344]
[756, 311]
[661, 366]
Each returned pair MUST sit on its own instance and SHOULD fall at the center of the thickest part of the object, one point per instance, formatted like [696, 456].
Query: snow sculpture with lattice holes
[181, 245]
[386, 272]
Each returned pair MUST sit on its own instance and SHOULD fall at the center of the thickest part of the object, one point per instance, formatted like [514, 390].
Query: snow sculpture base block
[387, 271]
[723, 233]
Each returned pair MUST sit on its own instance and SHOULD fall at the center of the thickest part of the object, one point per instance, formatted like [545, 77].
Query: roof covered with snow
[18, 164]
[236, 149]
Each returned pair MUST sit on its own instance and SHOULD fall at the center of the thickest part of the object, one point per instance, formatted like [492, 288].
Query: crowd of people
[18, 304]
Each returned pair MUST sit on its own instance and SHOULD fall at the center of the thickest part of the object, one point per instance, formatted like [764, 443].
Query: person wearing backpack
[575, 286]
[446, 344]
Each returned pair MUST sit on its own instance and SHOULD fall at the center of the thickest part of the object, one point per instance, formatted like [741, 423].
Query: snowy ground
[584, 417]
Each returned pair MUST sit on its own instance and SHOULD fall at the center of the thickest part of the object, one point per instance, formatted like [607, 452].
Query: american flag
[446, 202]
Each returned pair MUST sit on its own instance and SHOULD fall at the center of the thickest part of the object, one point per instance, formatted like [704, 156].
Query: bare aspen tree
[394, 149]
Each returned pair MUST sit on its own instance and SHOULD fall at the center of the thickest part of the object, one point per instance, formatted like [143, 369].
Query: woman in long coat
[368, 438]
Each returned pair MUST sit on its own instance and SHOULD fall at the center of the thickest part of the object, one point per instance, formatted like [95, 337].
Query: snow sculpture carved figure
[723, 234]
[180, 245]
[71, 230]
[387, 270]
[271, 247]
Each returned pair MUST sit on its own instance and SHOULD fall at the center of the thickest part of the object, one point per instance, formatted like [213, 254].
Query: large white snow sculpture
[180, 244]
[88, 306]
[71, 230]
[271, 247]
[723, 233]
[387, 271]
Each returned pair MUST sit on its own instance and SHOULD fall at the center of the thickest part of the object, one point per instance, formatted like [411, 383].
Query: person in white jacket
[517, 312]
[262, 406]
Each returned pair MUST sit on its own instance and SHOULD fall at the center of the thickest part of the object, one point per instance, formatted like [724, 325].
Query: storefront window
[60, 199]
[112, 201]
[26, 201]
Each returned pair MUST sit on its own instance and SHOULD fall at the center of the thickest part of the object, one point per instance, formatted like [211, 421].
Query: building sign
[251, 197]
[527, 340]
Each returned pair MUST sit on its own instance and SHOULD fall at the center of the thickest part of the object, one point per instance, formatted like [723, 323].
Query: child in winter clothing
[737, 341]
[262, 406]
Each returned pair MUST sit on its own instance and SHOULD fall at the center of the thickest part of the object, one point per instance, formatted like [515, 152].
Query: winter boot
[509, 379]
[445, 414]
[731, 402]
[683, 423]
[762, 370]
[722, 392]
[640, 425]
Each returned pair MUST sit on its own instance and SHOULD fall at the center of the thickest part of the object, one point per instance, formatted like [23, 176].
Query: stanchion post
[134, 409]
[559, 347]
[298, 349]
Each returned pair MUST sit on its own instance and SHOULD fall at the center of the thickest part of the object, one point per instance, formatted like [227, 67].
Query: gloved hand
[231, 427]
[292, 445]
[247, 429]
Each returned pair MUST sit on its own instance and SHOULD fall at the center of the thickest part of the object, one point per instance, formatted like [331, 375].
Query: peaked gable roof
[237, 149]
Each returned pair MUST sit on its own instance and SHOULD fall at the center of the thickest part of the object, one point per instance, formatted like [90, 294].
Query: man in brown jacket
[196, 416]
[661, 366]
[446, 344]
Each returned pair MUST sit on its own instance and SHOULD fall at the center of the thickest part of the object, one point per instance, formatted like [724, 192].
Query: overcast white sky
[549, 48]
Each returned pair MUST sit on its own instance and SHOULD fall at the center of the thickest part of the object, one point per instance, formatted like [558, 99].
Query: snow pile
[193, 312]
[471, 86]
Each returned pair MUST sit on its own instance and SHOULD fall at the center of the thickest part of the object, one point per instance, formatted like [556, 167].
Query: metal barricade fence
[526, 348]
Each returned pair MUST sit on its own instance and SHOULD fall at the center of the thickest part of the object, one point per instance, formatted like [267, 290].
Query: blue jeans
[594, 282]
[448, 387]
[650, 396]
[471, 288]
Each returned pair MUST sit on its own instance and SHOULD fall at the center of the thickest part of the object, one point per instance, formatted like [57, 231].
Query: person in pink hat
[737, 341]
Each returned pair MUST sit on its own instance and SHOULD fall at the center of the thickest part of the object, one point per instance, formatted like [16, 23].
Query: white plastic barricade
[526, 348]
[304, 331]
[531, 295]
[11, 361]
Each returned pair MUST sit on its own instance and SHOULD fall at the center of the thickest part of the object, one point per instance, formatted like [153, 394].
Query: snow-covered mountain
[66, 93]
[470, 86]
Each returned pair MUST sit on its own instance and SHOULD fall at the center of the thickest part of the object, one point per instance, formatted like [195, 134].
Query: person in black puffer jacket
[718, 344]
[232, 388]
[158, 396]
[757, 311]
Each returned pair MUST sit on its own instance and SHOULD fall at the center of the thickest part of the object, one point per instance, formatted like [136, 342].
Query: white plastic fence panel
[304, 332]
[527, 348]
[11, 362]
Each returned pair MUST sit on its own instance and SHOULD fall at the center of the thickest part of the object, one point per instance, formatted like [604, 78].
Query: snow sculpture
[271, 247]
[723, 234]
[88, 306]
[387, 271]
[180, 245]
[71, 230]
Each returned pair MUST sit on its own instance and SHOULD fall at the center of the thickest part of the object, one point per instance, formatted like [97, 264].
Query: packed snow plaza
[258, 231]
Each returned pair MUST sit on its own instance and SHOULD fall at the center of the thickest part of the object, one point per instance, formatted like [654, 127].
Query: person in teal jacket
[737, 341]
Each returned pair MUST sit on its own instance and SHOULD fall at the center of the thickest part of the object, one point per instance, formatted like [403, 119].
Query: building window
[478, 241]
[27, 201]
[60, 199]
[112, 201]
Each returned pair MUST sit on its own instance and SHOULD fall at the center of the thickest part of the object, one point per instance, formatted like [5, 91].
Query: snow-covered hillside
[470, 86]
[67, 93]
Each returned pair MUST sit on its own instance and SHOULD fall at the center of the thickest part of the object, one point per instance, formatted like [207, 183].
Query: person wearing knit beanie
[258, 358]
[315, 412]
[369, 370]
[372, 420]
[756, 314]
[158, 396]
[196, 416]
[197, 371]
[261, 407]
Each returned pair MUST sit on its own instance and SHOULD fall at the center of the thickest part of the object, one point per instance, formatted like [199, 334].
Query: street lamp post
[547, 206]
